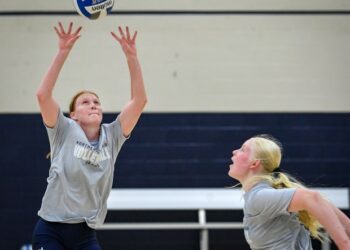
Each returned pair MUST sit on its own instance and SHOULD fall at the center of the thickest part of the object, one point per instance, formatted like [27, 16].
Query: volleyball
[93, 9]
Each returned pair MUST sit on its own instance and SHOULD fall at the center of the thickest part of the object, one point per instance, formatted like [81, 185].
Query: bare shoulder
[302, 198]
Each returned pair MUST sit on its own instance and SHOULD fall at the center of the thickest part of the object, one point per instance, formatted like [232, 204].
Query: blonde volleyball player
[279, 213]
[83, 151]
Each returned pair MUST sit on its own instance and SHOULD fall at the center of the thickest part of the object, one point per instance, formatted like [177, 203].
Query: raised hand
[126, 41]
[67, 38]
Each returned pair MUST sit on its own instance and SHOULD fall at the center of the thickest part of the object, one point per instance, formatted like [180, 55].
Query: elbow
[145, 100]
[41, 96]
[141, 103]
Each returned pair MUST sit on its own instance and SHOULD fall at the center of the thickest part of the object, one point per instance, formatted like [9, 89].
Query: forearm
[133, 109]
[344, 220]
[49, 81]
[138, 92]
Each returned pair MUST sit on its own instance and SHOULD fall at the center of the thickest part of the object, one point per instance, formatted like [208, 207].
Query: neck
[92, 133]
[248, 182]
[247, 185]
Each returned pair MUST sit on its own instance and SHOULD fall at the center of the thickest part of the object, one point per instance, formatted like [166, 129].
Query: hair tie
[276, 173]
[276, 170]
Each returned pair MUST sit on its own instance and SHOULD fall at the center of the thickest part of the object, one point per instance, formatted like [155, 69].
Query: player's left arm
[345, 221]
[324, 212]
[131, 113]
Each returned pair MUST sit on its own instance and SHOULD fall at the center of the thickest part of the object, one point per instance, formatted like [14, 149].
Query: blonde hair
[268, 150]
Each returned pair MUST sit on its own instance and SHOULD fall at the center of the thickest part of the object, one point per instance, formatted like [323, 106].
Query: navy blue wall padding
[177, 150]
[194, 150]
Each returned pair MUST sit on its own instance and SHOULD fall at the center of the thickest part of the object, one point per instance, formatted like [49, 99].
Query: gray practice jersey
[81, 175]
[267, 223]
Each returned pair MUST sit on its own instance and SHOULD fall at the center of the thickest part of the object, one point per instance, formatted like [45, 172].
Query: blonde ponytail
[269, 151]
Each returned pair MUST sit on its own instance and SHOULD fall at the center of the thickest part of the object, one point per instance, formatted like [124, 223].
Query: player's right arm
[48, 106]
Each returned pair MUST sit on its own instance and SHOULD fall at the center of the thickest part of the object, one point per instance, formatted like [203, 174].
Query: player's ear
[73, 116]
[255, 163]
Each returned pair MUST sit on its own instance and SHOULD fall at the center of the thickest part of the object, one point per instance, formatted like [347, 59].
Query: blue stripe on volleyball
[82, 4]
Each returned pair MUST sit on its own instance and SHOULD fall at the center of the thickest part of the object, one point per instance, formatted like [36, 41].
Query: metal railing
[194, 199]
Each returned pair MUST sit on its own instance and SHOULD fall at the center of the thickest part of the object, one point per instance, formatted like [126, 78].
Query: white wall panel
[191, 63]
